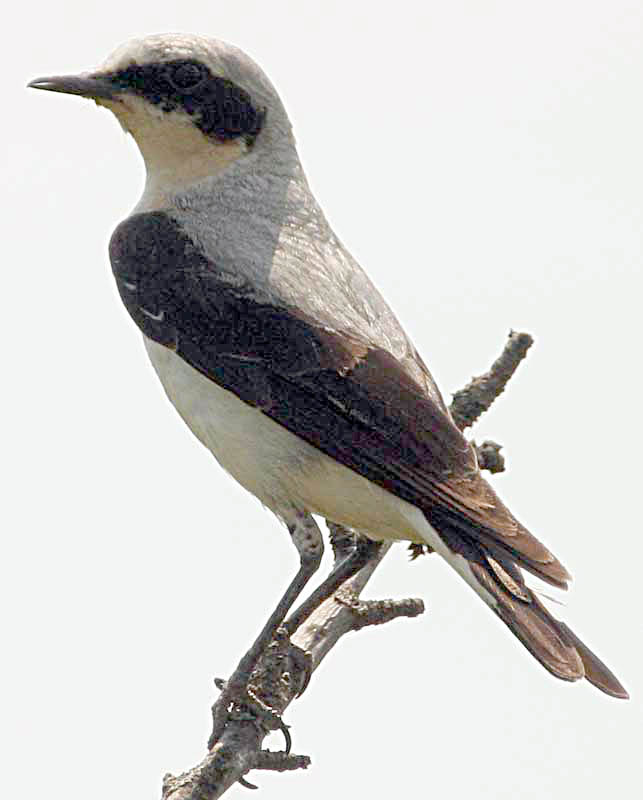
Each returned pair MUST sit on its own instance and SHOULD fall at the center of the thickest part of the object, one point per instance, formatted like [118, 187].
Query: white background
[483, 161]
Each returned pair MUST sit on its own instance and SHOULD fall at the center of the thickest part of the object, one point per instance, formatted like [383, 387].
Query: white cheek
[145, 120]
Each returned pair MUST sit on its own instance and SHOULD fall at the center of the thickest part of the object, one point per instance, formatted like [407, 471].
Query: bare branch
[280, 762]
[478, 395]
[377, 612]
[237, 751]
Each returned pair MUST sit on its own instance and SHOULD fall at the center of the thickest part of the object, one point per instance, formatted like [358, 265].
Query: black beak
[86, 85]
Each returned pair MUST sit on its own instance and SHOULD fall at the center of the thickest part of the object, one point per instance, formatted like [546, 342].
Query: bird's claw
[282, 663]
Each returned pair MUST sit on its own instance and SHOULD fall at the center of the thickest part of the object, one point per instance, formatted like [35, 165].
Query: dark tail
[494, 575]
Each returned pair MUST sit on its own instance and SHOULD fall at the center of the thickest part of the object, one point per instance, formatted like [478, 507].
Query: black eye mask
[221, 109]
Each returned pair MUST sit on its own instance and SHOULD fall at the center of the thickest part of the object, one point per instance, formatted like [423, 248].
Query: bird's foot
[282, 672]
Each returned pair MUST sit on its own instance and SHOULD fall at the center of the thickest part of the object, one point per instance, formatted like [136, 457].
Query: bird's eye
[187, 76]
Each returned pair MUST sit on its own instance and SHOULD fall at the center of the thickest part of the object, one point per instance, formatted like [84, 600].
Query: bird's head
[194, 105]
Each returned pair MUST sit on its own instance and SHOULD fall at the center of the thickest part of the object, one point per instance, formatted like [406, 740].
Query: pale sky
[483, 161]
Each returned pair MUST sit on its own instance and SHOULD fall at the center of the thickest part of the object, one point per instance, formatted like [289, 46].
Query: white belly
[283, 471]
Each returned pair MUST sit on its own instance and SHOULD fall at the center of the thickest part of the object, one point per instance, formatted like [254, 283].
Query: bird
[283, 358]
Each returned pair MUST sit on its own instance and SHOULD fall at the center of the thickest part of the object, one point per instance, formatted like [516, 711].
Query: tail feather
[553, 573]
[521, 547]
[595, 671]
[530, 621]
[497, 578]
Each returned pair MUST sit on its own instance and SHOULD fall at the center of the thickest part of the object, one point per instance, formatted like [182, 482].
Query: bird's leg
[307, 538]
[363, 551]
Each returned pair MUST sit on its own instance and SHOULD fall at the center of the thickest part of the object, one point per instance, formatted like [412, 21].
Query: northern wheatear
[280, 354]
